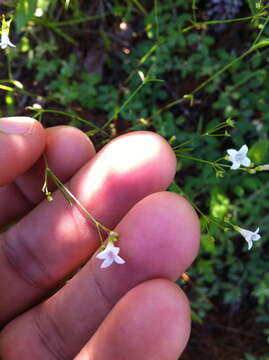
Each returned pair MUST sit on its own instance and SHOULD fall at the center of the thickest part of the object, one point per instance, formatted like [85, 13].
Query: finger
[159, 238]
[152, 321]
[55, 238]
[22, 141]
[67, 150]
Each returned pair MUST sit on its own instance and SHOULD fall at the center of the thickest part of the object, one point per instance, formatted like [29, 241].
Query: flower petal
[246, 234]
[106, 263]
[246, 162]
[235, 165]
[250, 244]
[119, 260]
[243, 150]
[110, 246]
[256, 237]
[5, 40]
[232, 152]
[102, 255]
[116, 250]
[9, 43]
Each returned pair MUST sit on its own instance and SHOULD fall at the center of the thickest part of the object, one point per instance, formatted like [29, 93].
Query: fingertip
[151, 321]
[67, 150]
[149, 148]
[22, 143]
[64, 157]
[188, 224]
[127, 169]
[19, 125]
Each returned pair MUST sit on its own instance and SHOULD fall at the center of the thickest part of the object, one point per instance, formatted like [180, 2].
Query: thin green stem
[70, 115]
[165, 107]
[140, 7]
[181, 192]
[196, 159]
[9, 70]
[211, 78]
[117, 111]
[6, 88]
[261, 30]
[100, 235]
[215, 164]
[64, 190]
[218, 135]
[56, 30]
[156, 19]
[207, 133]
[222, 70]
[141, 62]
[182, 31]
[215, 222]
[72, 199]
[215, 22]
[76, 21]
[194, 10]
[18, 88]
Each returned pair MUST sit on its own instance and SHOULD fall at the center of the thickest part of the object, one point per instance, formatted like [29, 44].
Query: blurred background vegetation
[179, 68]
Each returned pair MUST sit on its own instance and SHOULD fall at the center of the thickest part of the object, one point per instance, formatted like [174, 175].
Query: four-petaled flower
[109, 255]
[239, 157]
[5, 42]
[250, 236]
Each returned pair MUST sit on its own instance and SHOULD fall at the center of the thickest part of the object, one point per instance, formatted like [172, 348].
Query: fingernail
[17, 125]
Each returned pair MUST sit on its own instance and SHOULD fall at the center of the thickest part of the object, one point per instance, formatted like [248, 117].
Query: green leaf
[258, 151]
[208, 243]
[175, 188]
[43, 4]
[196, 318]
[219, 203]
[24, 11]
[249, 357]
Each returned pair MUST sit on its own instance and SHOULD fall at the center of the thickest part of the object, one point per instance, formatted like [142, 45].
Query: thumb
[22, 141]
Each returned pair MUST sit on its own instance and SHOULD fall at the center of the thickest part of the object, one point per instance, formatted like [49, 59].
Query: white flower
[5, 42]
[250, 236]
[109, 255]
[238, 157]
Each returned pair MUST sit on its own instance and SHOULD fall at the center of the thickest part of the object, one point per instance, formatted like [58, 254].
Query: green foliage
[258, 151]
[219, 203]
[252, 357]
[68, 85]
[24, 12]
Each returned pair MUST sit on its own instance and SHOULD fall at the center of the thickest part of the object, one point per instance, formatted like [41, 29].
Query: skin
[133, 310]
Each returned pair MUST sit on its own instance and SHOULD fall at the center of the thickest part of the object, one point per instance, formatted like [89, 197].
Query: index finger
[22, 141]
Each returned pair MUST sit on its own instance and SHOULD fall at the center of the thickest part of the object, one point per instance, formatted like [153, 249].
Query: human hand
[131, 311]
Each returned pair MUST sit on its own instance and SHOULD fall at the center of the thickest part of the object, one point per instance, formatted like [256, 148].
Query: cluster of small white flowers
[238, 158]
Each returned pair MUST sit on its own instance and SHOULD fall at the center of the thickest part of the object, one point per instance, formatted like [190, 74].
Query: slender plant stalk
[73, 200]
